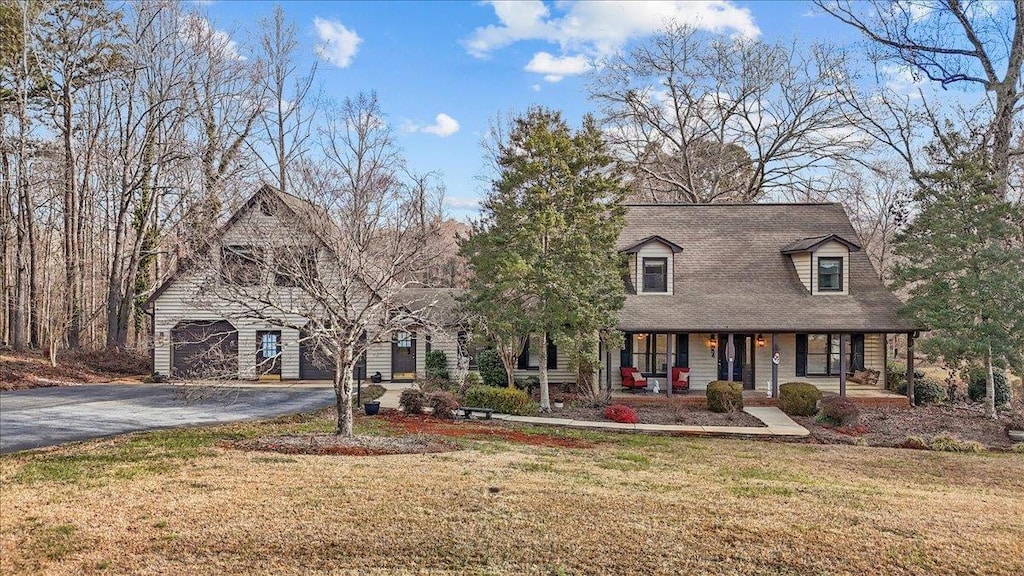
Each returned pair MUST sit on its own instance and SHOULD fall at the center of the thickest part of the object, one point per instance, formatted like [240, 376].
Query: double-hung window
[655, 274]
[830, 274]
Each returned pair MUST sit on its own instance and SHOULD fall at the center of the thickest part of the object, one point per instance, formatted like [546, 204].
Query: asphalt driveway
[50, 416]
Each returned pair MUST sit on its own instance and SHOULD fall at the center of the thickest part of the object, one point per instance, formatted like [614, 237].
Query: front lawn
[530, 500]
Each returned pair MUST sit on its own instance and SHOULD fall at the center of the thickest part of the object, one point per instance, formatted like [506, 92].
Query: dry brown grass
[174, 502]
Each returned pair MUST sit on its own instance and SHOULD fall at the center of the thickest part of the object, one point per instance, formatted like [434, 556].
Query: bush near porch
[799, 398]
[725, 396]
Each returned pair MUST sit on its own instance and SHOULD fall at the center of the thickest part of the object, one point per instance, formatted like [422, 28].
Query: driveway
[50, 416]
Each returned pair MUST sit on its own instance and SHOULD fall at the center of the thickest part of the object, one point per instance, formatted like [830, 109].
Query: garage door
[314, 364]
[204, 349]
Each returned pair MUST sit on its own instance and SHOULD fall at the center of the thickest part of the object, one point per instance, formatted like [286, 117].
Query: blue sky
[471, 61]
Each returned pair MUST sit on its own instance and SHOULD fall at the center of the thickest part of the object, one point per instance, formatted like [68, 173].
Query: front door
[268, 354]
[741, 370]
[403, 357]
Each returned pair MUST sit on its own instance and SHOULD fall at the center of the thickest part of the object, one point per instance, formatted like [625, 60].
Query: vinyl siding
[831, 250]
[651, 250]
[802, 263]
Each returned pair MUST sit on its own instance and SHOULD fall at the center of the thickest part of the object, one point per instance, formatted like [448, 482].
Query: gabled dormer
[823, 263]
[652, 265]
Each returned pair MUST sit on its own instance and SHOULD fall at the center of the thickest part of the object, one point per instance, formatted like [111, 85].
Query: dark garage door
[204, 349]
[314, 364]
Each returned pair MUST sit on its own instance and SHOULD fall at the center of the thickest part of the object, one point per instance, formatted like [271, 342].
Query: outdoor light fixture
[760, 340]
[712, 343]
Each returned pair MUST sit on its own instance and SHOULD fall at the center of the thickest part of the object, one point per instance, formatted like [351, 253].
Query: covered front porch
[845, 363]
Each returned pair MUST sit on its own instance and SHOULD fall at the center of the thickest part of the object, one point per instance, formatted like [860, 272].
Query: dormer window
[241, 265]
[830, 274]
[655, 275]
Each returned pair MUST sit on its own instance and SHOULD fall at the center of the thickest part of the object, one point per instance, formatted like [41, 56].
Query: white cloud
[600, 28]
[555, 69]
[443, 126]
[337, 44]
[462, 203]
[198, 30]
[535, 87]
[903, 79]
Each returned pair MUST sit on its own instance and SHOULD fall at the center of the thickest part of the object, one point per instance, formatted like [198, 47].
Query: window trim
[643, 274]
[837, 259]
[830, 341]
[649, 353]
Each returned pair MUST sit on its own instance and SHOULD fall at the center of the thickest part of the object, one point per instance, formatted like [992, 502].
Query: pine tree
[962, 258]
[543, 256]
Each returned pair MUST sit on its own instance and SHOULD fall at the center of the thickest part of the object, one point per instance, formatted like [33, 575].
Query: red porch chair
[680, 379]
[632, 379]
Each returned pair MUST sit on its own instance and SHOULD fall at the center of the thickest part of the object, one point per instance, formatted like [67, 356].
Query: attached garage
[204, 349]
[314, 364]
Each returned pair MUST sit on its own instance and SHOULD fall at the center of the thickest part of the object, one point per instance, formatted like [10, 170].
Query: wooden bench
[467, 412]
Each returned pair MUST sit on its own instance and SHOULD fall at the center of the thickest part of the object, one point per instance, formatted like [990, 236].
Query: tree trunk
[343, 389]
[71, 226]
[542, 360]
[990, 388]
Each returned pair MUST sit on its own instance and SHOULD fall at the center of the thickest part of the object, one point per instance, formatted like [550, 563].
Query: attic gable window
[655, 275]
[830, 274]
[295, 266]
[241, 265]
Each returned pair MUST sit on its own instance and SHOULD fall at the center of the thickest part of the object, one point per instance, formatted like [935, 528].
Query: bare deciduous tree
[953, 42]
[344, 265]
[290, 105]
[710, 119]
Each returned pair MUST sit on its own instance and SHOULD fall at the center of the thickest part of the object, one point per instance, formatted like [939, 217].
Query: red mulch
[421, 424]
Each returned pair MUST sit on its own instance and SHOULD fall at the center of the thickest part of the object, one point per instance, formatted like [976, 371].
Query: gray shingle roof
[732, 275]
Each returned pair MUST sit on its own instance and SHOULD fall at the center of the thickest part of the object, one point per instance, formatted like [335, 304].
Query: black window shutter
[524, 357]
[801, 354]
[552, 355]
[683, 350]
[857, 351]
[626, 356]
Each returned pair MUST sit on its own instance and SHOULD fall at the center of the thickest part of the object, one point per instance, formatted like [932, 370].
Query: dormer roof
[811, 244]
[655, 238]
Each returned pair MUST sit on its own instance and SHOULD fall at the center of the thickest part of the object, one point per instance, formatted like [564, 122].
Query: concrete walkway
[777, 423]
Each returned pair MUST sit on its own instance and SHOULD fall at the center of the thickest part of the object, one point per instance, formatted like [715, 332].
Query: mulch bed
[663, 413]
[331, 444]
[890, 426]
[420, 424]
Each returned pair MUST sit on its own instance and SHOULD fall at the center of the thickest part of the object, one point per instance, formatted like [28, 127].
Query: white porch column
[775, 367]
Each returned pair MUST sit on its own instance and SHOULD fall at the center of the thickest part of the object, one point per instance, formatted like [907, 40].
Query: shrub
[947, 443]
[412, 400]
[433, 384]
[799, 398]
[621, 414]
[436, 365]
[1018, 448]
[915, 443]
[926, 390]
[977, 385]
[503, 400]
[839, 411]
[724, 396]
[528, 384]
[492, 371]
[473, 379]
[444, 404]
[896, 376]
[369, 393]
